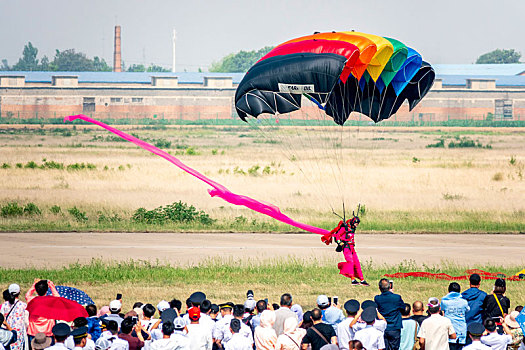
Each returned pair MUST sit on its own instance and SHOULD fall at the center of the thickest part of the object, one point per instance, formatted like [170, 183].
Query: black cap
[79, 332]
[368, 303]
[61, 330]
[476, 329]
[500, 282]
[369, 314]
[214, 308]
[168, 315]
[249, 293]
[228, 305]
[352, 306]
[197, 298]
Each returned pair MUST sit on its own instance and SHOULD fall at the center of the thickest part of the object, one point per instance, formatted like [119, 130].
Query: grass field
[402, 176]
[228, 280]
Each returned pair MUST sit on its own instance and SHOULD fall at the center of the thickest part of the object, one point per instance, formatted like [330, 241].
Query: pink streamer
[218, 189]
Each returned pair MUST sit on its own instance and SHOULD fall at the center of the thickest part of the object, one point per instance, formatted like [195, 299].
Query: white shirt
[476, 345]
[345, 333]
[238, 342]
[208, 322]
[497, 341]
[380, 325]
[245, 331]
[57, 346]
[117, 343]
[172, 343]
[147, 324]
[371, 337]
[436, 330]
[220, 327]
[199, 336]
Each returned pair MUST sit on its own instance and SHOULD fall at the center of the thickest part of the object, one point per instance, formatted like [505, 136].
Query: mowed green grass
[228, 280]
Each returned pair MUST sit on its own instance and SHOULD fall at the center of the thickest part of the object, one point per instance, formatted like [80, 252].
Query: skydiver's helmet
[354, 221]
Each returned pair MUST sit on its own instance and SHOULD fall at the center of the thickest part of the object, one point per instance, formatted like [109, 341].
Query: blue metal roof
[479, 69]
[501, 80]
[123, 77]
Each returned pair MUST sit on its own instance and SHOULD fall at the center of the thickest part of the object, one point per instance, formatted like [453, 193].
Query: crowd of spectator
[470, 320]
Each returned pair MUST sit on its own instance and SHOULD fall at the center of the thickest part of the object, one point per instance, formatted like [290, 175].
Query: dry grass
[387, 169]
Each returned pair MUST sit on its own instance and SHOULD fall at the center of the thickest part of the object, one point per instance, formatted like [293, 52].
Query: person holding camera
[126, 328]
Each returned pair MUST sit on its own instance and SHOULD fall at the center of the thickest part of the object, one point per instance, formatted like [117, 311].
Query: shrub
[214, 152]
[31, 165]
[512, 160]
[105, 218]
[55, 209]
[415, 160]
[6, 166]
[19, 165]
[192, 151]
[452, 197]
[52, 165]
[497, 177]
[80, 216]
[253, 171]
[176, 212]
[162, 143]
[11, 209]
[32, 209]
[439, 144]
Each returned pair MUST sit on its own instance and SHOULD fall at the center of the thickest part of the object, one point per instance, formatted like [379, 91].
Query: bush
[81, 166]
[6, 166]
[80, 216]
[253, 171]
[31, 165]
[176, 212]
[439, 144]
[497, 177]
[52, 165]
[102, 218]
[19, 165]
[11, 209]
[32, 209]
[162, 143]
[55, 209]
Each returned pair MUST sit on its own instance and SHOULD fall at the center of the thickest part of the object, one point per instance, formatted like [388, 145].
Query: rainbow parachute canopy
[341, 72]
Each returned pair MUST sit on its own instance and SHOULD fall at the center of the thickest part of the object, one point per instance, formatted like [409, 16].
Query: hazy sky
[443, 31]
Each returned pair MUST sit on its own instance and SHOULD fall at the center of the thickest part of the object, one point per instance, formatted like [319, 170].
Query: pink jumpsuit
[351, 267]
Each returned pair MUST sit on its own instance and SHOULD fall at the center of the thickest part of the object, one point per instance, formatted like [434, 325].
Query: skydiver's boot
[355, 283]
[365, 283]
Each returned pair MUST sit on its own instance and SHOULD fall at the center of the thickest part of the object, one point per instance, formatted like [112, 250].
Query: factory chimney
[174, 42]
[117, 59]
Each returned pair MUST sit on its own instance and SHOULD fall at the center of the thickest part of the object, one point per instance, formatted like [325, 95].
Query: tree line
[68, 61]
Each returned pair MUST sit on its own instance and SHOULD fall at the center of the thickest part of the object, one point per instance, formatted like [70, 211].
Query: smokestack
[117, 60]
[174, 39]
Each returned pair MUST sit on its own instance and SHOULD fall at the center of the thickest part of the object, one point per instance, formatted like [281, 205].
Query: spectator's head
[112, 327]
[214, 310]
[167, 328]
[490, 325]
[8, 297]
[104, 310]
[384, 285]
[417, 307]
[179, 324]
[91, 309]
[149, 310]
[115, 306]
[127, 325]
[267, 319]
[298, 311]
[286, 300]
[163, 305]
[40, 341]
[433, 305]
[238, 310]
[317, 315]
[197, 298]
[235, 325]
[102, 344]
[138, 304]
[307, 320]
[276, 306]
[175, 304]
[194, 313]
[500, 287]
[322, 302]
[61, 332]
[355, 345]
[80, 322]
[188, 303]
[226, 308]
[290, 325]
[14, 290]
[41, 287]
[475, 330]
[261, 306]
[80, 336]
[352, 307]
[369, 315]
[454, 287]
[205, 306]
[406, 311]
[518, 308]
[475, 280]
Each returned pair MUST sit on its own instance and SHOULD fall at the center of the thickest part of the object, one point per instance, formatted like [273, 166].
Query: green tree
[5, 65]
[44, 64]
[137, 68]
[28, 61]
[71, 61]
[500, 57]
[155, 68]
[240, 61]
[100, 65]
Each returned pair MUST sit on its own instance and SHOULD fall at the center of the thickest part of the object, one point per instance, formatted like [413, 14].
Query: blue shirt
[390, 305]
[475, 298]
[455, 308]
[408, 334]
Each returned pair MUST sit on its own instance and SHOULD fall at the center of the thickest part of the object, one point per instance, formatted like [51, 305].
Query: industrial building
[459, 92]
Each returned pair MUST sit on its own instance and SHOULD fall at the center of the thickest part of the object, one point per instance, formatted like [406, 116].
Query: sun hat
[40, 341]
[510, 320]
[298, 311]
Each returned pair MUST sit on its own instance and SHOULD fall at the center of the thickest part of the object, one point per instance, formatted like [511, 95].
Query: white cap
[433, 302]
[163, 305]
[14, 288]
[322, 300]
[102, 344]
[115, 305]
[179, 323]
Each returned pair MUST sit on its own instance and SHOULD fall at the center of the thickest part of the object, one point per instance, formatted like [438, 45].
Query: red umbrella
[56, 308]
